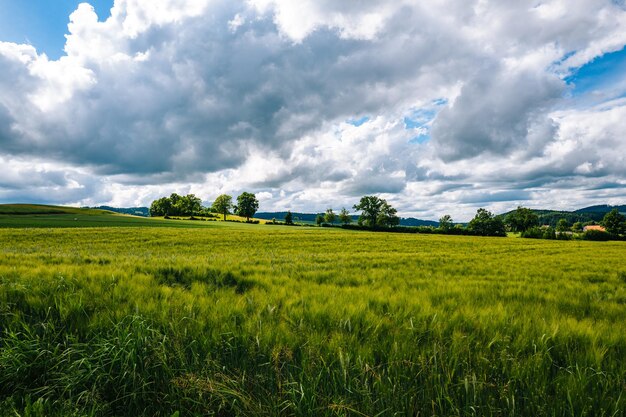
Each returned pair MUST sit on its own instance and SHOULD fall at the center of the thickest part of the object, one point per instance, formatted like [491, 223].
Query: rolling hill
[44, 216]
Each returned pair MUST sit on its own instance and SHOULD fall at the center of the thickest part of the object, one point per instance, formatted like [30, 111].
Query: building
[594, 227]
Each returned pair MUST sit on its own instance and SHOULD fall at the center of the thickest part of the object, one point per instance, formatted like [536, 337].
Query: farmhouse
[594, 227]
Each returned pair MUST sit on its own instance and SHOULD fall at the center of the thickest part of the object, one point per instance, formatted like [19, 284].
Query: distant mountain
[410, 221]
[604, 208]
[280, 216]
[587, 214]
[310, 218]
[135, 211]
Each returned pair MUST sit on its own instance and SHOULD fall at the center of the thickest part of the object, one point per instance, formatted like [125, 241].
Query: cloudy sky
[440, 107]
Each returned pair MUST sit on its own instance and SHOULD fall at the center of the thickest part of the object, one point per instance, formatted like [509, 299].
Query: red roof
[594, 227]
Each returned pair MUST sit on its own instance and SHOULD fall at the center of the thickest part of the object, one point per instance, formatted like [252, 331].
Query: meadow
[232, 319]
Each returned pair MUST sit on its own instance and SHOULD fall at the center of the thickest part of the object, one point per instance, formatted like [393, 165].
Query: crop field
[230, 319]
[36, 216]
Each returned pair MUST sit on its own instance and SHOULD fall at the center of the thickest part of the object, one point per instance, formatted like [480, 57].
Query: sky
[440, 107]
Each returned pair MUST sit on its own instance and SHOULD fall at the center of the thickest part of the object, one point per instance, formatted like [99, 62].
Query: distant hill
[40, 209]
[43, 216]
[587, 214]
[410, 221]
[601, 209]
[310, 218]
[135, 211]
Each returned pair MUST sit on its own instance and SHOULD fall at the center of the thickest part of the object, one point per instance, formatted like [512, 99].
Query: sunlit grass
[234, 319]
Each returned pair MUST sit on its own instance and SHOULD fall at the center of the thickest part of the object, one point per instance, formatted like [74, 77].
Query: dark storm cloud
[497, 112]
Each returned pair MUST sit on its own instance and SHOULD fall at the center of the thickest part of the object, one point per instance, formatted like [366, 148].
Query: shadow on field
[185, 276]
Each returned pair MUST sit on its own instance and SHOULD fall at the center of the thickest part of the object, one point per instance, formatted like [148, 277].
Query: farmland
[232, 319]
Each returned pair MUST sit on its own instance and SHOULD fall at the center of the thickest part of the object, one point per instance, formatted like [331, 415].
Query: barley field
[246, 320]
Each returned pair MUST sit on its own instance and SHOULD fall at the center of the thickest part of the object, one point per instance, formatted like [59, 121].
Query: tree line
[190, 205]
[377, 214]
[527, 223]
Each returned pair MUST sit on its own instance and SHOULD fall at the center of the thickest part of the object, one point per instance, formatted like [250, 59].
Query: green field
[39, 216]
[241, 320]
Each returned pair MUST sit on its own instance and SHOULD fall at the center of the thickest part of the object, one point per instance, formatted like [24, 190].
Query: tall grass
[250, 320]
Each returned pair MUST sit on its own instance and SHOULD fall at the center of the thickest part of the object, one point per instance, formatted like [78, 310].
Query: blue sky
[42, 23]
[314, 104]
[606, 72]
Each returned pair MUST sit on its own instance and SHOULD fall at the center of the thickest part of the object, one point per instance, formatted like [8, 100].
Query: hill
[310, 218]
[602, 209]
[587, 214]
[41, 209]
[133, 211]
[44, 216]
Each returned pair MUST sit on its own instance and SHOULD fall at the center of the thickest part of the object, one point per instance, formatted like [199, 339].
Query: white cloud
[222, 96]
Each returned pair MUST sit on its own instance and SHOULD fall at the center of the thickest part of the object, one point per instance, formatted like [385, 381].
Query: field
[230, 319]
[37, 216]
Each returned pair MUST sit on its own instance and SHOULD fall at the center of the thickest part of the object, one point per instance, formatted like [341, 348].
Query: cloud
[223, 96]
[498, 111]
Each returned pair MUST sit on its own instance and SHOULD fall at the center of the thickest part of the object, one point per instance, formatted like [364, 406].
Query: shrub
[596, 235]
[549, 233]
[564, 236]
[533, 233]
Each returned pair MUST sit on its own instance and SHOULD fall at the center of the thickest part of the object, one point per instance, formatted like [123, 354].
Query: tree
[330, 216]
[445, 223]
[486, 224]
[369, 206]
[376, 211]
[577, 227]
[522, 219]
[344, 216]
[319, 219]
[176, 205]
[387, 216]
[288, 218]
[562, 226]
[247, 205]
[613, 221]
[222, 204]
[160, 207]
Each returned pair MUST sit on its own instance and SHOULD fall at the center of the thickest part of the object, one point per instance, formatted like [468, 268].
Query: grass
[44, 216]
[41, 216]
[238, 320]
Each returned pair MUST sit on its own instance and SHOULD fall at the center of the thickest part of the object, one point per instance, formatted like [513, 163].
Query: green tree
[562, 226]
[189, 205]
[376, 211]
[613, 221]
[577, 227]
[161, 207]
[330, 216]
[176, 205]
[344, 216]
[521, 219]
[288, 218]
[222, 204]
[486, 224]
[445, 223]
[319, 219]
[387, 216]
[247, 205]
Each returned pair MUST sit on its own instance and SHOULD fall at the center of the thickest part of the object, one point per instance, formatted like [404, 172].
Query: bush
[533, 233]
[549, 233]
[597, 235]
[564, 236]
